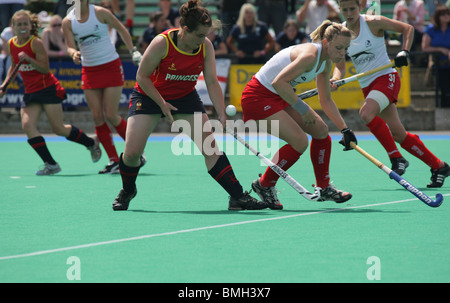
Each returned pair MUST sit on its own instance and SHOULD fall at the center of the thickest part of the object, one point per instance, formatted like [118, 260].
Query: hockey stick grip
[312, 92]
[393, 175]
[13, 74]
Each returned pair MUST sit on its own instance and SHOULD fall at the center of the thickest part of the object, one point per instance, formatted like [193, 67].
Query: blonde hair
[240, 22]
[34, 20]
[329, 30]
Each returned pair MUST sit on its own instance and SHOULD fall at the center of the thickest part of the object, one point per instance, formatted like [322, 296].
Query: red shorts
[388, 84]
[258, 102]
[101, 76]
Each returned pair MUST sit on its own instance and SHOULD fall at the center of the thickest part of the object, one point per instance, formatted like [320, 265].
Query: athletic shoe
[438, 176]
[267, 194]
[143, 160]
[246, 202]
[331, 193]
[399, 165]
[49, 169]
[122, 201]
[96, 152]
[111, 168]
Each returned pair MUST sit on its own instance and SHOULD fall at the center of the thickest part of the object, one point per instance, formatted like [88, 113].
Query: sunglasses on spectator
[56, 25]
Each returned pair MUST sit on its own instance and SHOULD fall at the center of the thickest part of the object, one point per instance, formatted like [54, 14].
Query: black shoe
[122, 201]
[438, 176]
[111, 168]
[267, 194]
[399, 165]
[246, 202]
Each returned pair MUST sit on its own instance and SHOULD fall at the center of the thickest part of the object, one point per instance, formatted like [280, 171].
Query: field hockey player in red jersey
[42, 92]
[165, 86]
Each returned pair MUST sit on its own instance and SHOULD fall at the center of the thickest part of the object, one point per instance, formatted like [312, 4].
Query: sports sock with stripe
[79, 136]
[415, 147]
[380, 130]
[121, 129]
[39, 145]
[104, 134]
[223, 173]
[129, 175]
[320, 153]
[284, 158]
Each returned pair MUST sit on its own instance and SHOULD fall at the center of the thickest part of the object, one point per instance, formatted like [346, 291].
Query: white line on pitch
[50, 251]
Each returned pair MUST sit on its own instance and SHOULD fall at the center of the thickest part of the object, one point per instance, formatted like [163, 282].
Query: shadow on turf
[199, 212]
[265, 212]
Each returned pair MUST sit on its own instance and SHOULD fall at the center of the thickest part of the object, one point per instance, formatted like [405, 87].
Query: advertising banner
[348, 96]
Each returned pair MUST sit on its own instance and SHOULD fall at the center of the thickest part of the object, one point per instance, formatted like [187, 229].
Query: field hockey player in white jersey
[379, 112]
[270, 96]
[102, 76]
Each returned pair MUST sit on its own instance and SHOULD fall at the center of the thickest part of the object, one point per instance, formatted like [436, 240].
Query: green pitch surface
[62, 228]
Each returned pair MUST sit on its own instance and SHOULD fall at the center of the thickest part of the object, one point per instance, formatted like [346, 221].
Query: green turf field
[178, 228]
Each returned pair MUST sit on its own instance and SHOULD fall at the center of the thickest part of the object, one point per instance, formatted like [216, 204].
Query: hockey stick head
[416, 192]
[315, 196]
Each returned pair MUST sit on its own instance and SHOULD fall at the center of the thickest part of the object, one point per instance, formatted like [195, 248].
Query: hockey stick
[13, 74]
[278, 170]
[313, 92]
[409, 187]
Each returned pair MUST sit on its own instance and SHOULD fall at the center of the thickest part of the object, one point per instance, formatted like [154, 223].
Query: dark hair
[193, 15]
[440, 10]
[155, 16]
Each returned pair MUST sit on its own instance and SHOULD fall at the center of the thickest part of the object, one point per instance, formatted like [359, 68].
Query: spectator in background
[431, 6]
[411, 12]
[7, 10]
[172, 15]
[129, 13]
[229, 14]
[6, 34]
[249, 38]
[61, 8]
[158, 24]
[220, 47]
[273, 13]
[334, 17]
[315, 12]
[436, 38]
[290, 35]
[111, 30]
[38, 6]
[53, 38]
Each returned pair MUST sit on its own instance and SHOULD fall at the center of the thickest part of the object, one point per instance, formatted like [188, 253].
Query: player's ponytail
[329, 30]
[193, 14]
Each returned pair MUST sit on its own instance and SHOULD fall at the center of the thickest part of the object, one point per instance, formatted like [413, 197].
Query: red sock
[285, 158]
[121, 129]
[104, 134]
[320, 157]
[129, 23]
[381, 131]
[415, 147]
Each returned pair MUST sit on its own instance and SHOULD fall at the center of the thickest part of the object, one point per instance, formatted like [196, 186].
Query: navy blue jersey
[284, 41]
[250, 41]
